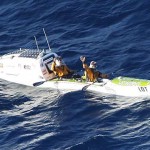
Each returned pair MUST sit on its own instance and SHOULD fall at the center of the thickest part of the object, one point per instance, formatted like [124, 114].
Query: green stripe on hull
[126, 81]
[69, 80]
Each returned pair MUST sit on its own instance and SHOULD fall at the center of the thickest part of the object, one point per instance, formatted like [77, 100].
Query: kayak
[32, 68]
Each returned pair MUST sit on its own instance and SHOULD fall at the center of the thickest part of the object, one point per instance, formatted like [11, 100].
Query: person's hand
[82, 58]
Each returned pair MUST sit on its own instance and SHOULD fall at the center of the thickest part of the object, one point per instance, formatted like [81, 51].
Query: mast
[47, 40]
[36, 44]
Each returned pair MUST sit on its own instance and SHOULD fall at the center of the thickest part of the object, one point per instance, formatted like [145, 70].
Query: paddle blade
[85, 87]
[38, 83]
[41, 82]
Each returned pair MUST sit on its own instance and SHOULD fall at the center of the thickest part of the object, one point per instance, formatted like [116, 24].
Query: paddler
[60, 69]
[91, 74]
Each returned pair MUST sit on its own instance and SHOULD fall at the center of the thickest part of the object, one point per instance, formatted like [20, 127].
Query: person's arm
[53, 67]
[85, 66]
[69, 70]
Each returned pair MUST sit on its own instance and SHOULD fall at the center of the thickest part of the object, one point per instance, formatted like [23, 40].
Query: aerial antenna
[36, 43]
[47, 39]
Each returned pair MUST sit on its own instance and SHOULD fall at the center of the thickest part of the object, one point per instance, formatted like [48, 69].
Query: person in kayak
[60, 69]
[91, 74]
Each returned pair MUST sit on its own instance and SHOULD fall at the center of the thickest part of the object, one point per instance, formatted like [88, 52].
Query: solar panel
[30, 53]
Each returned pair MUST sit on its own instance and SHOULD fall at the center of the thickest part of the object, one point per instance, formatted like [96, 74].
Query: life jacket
[90, 73]
[61, 70]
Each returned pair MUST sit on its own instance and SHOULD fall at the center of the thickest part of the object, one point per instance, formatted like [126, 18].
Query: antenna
[36, 43]
[47, 40]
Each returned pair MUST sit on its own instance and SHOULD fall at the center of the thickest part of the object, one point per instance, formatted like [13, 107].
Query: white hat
[58, 61]
[92, 64]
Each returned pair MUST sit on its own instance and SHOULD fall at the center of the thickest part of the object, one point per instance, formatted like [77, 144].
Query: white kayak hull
[106, 87]
[26, 69]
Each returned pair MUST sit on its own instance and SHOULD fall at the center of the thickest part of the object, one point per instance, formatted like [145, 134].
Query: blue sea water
[114, 33]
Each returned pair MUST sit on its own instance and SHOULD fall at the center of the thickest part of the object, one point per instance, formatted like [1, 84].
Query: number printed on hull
[143, 89]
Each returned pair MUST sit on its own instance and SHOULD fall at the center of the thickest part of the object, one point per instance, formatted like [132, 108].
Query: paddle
[85, 87]
[41, 82]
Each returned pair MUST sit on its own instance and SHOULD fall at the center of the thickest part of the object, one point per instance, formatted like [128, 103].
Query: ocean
[115, 34]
